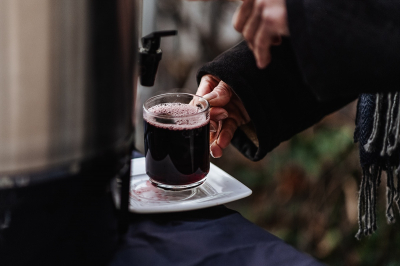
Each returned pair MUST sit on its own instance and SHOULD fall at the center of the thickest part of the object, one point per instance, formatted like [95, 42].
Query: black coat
[336, 51]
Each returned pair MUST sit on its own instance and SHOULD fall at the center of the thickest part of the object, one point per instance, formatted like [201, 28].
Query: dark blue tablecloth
[212, 236]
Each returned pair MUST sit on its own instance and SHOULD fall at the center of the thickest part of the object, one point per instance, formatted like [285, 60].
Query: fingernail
[221, 116]
[210, 96]
[212, 128]
[211, 150]
[211, 153]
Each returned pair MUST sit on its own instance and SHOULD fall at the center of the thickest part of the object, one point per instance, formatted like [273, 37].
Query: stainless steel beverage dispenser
[66, 101]
[66, 77]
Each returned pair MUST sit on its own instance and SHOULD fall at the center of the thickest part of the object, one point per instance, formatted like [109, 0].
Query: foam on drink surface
[178, 112]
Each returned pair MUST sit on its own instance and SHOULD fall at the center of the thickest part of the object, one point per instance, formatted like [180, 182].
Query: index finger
[242, 14]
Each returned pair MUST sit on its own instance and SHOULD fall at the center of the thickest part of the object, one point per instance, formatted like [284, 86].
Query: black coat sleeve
[346, 46]
[279, 102]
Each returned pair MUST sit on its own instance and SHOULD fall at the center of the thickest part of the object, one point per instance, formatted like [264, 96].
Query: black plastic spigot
[150, 55]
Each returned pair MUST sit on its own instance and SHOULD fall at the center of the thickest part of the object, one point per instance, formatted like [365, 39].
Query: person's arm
[277, 100]
[346, 46]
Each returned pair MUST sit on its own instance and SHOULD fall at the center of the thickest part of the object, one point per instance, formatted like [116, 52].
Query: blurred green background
[306, 190]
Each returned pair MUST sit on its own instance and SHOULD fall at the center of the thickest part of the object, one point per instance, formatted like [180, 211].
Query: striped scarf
[378, 133]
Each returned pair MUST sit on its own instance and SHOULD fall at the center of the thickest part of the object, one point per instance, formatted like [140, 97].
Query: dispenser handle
[150, 55]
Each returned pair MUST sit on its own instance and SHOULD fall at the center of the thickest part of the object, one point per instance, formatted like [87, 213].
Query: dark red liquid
[177, 156]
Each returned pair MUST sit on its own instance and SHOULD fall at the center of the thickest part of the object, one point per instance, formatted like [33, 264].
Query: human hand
[227, 112]
[262, 23]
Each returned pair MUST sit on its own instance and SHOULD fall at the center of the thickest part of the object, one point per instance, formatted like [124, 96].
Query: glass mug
[176, 140]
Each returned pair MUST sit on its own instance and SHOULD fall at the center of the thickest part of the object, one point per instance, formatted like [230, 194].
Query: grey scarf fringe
[384, 141]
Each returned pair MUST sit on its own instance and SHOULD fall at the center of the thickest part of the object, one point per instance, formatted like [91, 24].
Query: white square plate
[219, 188]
